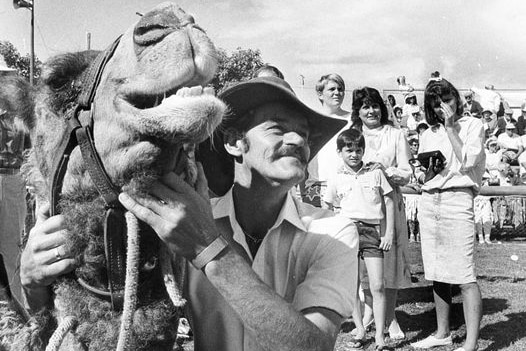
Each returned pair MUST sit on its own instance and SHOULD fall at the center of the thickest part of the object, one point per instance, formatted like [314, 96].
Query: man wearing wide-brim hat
[268, 271]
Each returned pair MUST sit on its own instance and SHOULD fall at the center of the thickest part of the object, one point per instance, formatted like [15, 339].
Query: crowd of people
[262, 255]
[396, 140]
[504, 134]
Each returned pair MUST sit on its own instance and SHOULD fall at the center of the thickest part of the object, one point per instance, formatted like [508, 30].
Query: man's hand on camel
[45, 256]
[180, 215]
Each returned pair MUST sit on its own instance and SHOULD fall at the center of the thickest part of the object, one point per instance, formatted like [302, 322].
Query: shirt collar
[344, 169]
[224, 207]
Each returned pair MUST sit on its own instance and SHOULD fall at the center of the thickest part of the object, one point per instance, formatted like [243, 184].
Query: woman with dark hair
[386, 147]
[392, 101]
[446, 209]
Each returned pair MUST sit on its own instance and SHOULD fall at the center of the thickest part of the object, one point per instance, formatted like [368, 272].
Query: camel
[145, 113]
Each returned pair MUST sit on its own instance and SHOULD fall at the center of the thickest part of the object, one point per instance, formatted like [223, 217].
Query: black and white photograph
[262, 175]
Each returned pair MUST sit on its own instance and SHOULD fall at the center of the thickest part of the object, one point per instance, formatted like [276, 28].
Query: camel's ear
[234, 143]
[60, 70]
[62, 74]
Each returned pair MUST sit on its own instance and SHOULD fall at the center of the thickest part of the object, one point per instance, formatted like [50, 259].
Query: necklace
[252, 239]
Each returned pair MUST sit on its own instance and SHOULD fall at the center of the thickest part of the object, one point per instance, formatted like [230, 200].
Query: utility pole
[88, 41]
[302, 81]
[28, 4]
[32, 55]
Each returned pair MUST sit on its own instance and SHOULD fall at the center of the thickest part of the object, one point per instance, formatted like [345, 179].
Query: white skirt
[447, 235]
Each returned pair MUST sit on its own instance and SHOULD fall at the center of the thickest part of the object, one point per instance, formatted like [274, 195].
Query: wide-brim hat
[510, 125]
[244, 97]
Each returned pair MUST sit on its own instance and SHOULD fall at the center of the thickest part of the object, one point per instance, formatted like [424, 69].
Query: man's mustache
[294, 151]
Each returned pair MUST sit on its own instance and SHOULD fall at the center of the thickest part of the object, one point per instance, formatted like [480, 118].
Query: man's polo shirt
[308, 257]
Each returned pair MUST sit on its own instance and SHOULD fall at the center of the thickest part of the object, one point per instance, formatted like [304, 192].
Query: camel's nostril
[154, 26]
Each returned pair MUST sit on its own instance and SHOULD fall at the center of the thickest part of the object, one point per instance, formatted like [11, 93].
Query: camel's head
[143, 109]
[141, 90]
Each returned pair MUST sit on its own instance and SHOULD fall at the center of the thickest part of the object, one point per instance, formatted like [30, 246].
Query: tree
[13, 59]
[236, 67]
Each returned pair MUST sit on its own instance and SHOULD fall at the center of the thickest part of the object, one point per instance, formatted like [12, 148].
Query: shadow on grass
[415, 294]
[504, 333]
[424, 321]
[508, 279]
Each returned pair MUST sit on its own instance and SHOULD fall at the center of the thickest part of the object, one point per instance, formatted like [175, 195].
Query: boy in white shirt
[363, 194]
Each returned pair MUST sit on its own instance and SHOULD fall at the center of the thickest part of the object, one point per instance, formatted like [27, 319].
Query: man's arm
[186, 224]
[274, 322]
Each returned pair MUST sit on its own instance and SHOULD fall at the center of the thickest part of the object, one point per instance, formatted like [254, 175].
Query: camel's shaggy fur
[137, 142]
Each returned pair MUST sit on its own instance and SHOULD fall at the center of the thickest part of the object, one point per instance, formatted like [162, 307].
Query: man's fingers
[58, 268]
[175, 182]
[140, 211]
[51, 225]
[56, 254]
[50, 241]
[163, 195]
[42, 212]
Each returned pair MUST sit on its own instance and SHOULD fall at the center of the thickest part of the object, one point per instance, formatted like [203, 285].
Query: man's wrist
[210, 252]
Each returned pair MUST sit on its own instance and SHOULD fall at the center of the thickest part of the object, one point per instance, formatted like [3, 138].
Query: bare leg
[357, 311]
[472, 306]
[375, 270]
[442, 295]
[368, 308]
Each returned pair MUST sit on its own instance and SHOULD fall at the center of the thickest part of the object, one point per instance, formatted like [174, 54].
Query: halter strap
[81, 135]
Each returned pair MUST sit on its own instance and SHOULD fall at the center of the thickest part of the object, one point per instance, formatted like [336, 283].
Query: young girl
[362, 195]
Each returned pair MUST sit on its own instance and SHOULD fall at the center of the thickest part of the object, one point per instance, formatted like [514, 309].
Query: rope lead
[130, 286]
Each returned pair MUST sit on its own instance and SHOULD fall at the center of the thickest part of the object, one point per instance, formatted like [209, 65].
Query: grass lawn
[503, 285]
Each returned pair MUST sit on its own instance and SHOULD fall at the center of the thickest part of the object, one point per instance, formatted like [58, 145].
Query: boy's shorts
[369, 235]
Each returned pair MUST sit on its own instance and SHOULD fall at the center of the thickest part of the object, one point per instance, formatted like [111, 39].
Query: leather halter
[81, 135]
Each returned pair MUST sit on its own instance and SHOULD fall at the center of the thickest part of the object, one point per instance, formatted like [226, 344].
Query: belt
[365, 224]
[9, 170]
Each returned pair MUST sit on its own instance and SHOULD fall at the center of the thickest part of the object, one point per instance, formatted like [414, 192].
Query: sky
[369, 43]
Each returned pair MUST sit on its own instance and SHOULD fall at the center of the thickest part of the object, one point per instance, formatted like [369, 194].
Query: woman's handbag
[433, 162]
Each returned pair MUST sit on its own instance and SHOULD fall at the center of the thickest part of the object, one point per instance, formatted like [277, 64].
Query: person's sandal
[367, 327]
[355, 344]
[382, 348]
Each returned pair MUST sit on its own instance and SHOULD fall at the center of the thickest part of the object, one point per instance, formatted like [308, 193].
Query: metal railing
[512, 190]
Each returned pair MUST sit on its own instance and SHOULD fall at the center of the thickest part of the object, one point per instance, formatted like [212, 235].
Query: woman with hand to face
[386, 148]
[446, 210]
